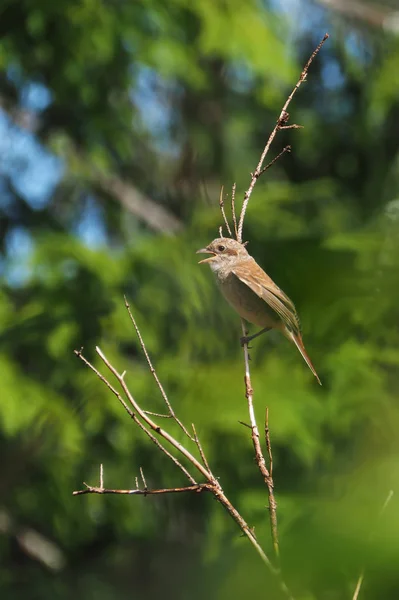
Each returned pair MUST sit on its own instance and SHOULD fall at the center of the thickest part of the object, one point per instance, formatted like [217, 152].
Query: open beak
[206, 251]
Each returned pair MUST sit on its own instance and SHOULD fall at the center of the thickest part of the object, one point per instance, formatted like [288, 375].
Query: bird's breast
[248, 305]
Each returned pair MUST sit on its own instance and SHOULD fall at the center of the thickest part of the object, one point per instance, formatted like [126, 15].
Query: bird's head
[224, 252]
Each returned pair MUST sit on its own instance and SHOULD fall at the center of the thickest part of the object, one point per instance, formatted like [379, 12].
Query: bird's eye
[221, 248]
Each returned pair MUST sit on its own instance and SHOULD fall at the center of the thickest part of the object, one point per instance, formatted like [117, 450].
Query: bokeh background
[119, 122]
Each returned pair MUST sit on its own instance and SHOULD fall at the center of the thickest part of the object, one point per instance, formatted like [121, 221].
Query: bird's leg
[249, 338]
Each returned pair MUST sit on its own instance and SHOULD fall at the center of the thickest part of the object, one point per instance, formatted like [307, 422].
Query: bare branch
[294, 126]
[233, 209]
[153, 414]
[373, 14]
[143, 478]
[275, 159]
[133, 200]
[212, 484]
[133, 416]
[200, 487]
[200, 449]
[156, 216]
[260, 460]
[154, 373]
[221, 204]
[165, 451]
[268, 443]
[281, 122]
[151, 424]
[101, 476]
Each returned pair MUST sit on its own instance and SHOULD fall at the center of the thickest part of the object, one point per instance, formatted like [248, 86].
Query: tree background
[119, 122]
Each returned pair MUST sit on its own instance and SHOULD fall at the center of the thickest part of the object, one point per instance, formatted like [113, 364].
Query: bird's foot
[245, 340]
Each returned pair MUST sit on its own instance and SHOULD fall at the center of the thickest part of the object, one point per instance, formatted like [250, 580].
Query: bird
[252, 293]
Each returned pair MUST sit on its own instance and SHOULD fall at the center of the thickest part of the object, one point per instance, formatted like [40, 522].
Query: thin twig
[90, 489]
[281, 122]
[143, 478]
[268, 443]
[221, 204]
[101, 476]
[275, 159]
[200, 449]
[133, 416]
[154, 373]
[361, 576]
[165, 451]
[151, 424]
[293, 126]
[216, 487]
[160, 416]
[260, 460]
[233, 209]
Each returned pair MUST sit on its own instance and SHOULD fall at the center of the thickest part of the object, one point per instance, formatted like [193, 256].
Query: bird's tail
[297, 339]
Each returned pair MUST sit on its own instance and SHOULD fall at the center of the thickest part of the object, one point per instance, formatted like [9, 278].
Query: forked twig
[266, 472]
[148, 425]
[281, 123]
[275, 159]
[133, 416]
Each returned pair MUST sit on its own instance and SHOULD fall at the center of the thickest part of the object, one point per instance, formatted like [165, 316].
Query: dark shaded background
[119, 121]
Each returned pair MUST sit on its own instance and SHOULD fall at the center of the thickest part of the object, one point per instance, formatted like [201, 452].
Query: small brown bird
[252, 293]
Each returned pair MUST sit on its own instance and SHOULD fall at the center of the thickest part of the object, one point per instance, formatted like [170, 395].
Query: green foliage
[173, 99]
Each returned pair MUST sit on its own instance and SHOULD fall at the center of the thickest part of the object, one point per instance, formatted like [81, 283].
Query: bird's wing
[250, 273]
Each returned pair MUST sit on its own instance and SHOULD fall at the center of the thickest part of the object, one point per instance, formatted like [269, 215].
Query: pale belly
[248, 304]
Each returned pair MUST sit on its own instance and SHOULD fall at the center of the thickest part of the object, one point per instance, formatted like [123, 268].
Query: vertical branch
[260, 460]
[268, 442]
[221, 204]
[281, 123]
[233, 209]
[101, 476]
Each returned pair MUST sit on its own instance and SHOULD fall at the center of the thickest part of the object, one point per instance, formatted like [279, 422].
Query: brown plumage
[252, 293]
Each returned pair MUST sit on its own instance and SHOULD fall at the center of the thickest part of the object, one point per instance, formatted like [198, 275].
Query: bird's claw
[245, 340]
